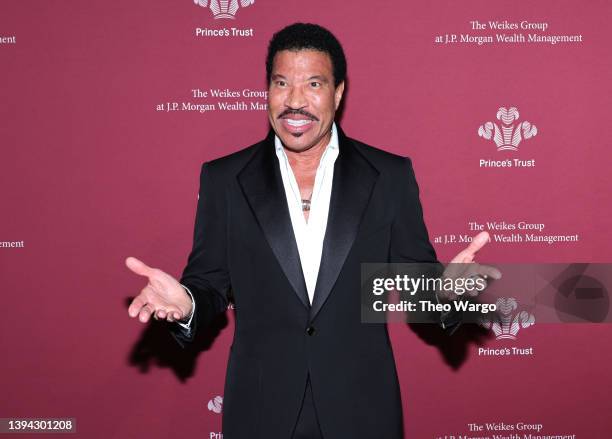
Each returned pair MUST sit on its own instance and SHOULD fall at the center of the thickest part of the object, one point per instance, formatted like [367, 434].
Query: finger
[489, 271]
[138, 267]
[174, 315]
[169, 315]
[477, 243]
[163, 314]
[140, 301]
[477, 284]
[463, 257]
[467, 255]
[136, 305]
[166, 314]
[472, 293]
[145, 313]
[479, 287]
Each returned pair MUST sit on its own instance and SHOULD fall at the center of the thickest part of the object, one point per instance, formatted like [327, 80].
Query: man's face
[302, 98]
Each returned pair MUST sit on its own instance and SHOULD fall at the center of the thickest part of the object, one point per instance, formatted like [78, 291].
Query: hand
[463, 266]
[162, 297]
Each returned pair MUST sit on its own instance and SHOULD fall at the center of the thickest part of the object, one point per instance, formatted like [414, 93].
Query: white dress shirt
[309, 234]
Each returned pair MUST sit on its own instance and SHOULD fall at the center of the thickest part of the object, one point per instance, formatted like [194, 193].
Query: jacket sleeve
[206, 274]
[410, 240]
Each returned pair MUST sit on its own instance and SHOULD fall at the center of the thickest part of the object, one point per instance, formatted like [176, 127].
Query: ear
[338, 94]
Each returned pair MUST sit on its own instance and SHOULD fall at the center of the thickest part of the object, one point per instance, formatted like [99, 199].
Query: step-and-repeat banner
[108, 109]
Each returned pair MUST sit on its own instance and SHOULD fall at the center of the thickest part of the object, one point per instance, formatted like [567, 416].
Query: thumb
[138, 267]
[467, 254]
[477, 243]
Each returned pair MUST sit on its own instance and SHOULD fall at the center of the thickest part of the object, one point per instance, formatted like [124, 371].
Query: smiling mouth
[297, 121]
[297, 126]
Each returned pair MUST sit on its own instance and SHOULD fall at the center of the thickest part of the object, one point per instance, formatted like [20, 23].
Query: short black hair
[308, 36]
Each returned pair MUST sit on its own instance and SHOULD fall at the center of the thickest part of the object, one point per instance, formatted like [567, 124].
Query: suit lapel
[354, 179]
[262, 185]
[263, 188]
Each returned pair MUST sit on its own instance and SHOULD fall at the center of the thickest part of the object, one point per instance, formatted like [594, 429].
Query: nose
[295, 98]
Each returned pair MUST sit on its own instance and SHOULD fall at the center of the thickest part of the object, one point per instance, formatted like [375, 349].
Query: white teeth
[297, 123]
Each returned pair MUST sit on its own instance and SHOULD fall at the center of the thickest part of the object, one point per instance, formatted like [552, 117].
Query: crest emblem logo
[224, 8]
[215, 405]
[508, 324]
[507, 136]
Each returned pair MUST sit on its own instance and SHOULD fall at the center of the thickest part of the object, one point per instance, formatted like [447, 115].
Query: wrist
[190, 307]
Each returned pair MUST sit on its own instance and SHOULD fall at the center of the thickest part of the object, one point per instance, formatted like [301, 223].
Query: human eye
[315, 84]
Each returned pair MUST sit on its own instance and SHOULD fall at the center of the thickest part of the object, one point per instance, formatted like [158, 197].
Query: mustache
[290, 111]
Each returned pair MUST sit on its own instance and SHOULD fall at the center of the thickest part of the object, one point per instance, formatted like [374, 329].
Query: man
[285, 224]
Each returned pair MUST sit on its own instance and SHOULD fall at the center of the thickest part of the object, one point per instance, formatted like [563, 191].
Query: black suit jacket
[244, 241]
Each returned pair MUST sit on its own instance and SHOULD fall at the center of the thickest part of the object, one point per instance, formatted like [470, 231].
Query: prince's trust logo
[508, 135]
[224, 8]
[215, 405]
[508, 323]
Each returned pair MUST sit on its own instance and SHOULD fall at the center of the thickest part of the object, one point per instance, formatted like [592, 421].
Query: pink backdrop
[94, 170]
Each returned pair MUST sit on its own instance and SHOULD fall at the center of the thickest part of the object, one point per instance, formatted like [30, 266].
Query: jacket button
[310, 330]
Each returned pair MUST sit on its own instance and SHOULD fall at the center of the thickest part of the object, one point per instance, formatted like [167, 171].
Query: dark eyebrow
[318, 78]
[315, 77]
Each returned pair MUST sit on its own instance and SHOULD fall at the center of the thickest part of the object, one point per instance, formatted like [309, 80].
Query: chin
[293, 143]
[298, 143]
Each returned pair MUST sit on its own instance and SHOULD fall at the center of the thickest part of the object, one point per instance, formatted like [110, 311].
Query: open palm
[464, 266]
[162, 297]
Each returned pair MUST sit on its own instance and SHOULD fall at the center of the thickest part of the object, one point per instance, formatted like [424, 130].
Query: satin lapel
[354, 179]
[262, 186]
